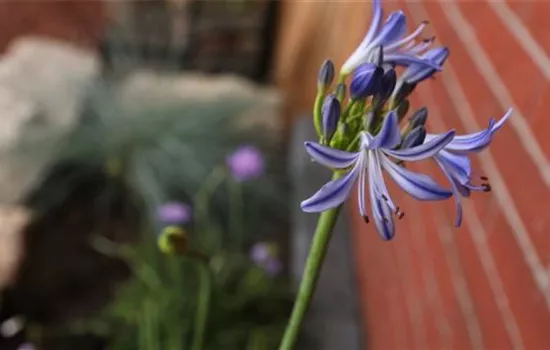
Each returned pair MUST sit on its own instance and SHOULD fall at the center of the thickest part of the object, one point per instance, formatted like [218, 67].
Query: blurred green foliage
[177, 152]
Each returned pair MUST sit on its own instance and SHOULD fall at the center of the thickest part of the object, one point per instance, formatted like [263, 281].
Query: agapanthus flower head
[397, 48]
[376, 153]
[366, 81]
[330, 115]
[366, 140]
[246, 163]
[174, 213]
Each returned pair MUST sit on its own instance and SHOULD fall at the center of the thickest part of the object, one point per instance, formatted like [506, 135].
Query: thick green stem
[203, 305]
[314, 262]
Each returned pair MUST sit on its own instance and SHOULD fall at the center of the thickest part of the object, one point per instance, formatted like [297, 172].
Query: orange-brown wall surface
[486, 284]
[80, 22]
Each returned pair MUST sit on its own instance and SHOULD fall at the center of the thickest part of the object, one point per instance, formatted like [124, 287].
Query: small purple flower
[246, 163]
[260, 252]
[273, 267]
[174, 213]
[264, 255]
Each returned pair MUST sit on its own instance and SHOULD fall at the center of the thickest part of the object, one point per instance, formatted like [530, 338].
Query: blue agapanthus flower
[361, 139]
[456, 166]
[397, 49]
[376, 153]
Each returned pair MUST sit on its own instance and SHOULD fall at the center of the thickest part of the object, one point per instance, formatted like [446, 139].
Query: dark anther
[484, 178]
[366, 219]
[399, 213]
[384, 197]
[425, 22]
[486, 187]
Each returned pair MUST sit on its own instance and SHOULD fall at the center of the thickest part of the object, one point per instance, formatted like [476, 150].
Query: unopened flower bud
[402, 109]
[330, 114]
[326, 75]
[387, 84]
[173, 240]
[365, 81]
[404, 90]
[418, 118]
[414, 138]
[340, 92]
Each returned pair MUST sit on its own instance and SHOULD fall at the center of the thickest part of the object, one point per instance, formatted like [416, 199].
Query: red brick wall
[485, 285]
[81, 22]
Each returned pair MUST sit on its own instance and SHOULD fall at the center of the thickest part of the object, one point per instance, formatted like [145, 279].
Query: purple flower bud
[404, 90]
[365, 81]
[246, 163]
[402, 109]
[387, 84]
[174, 213]
[330, 114]
[326, 75]
[419, 118]
[414, 138]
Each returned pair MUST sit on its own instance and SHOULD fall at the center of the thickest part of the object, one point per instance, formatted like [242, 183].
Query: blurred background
[152, 162]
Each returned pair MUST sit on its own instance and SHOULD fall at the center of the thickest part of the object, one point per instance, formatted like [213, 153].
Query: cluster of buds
[371, 131]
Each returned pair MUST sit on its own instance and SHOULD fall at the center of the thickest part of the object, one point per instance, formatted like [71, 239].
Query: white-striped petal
[330, 157]
[332, 194]
[419, 186]
[426, 150]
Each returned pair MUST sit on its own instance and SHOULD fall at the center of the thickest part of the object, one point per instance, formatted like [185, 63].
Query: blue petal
[458, 165]
[383, 218]
[332, 193]
[502, 120]
[405, 60]
[330, 157]
[361, 189]
[389, 135]
[361, 53]
[472, 142]
[375, 23]
[477, 141]
[456, 193]
[425, 150]
[417, 73]
[437, 54]
[393, 29]
[409, 38]
[376, 168]
[419, 186]
[382, 215]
